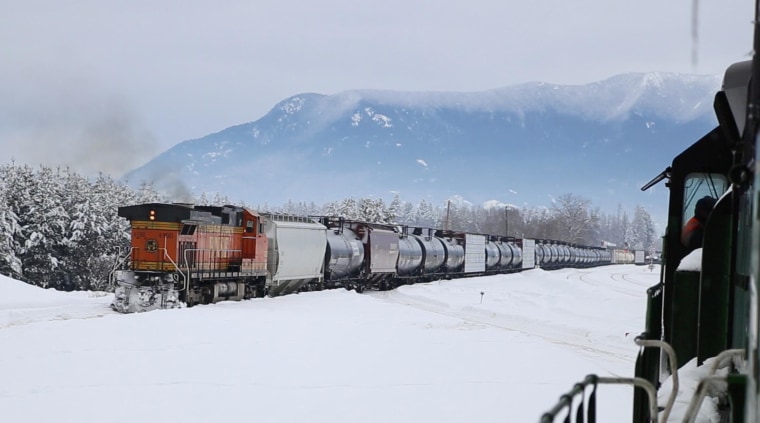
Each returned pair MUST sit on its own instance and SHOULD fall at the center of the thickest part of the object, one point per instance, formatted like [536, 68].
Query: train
[706, 305]
[183, 255]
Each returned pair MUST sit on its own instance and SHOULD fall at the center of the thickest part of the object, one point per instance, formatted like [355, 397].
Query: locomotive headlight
[152, 215]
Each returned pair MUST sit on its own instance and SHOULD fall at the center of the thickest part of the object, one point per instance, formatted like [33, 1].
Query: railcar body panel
[254, 244]
[383, 251]
[296, 254]
[474, 253]
[528, 253]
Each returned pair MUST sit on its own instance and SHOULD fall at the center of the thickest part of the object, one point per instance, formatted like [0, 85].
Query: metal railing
[208, 263]
[566, 400]
[710, 381]
[120, 262]
[651, 343]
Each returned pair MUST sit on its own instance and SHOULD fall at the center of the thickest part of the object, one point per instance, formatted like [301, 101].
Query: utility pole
[506, 221]
[448, 208]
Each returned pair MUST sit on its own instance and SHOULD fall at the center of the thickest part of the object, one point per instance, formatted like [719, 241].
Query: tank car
[506, 253]
[466, 253]
[344, 256]
[380, 246]
[410, 256]
[493, 256]
[454, 253]
[434, 252]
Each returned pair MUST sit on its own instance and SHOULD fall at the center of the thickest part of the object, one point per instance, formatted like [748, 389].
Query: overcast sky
[106, 85]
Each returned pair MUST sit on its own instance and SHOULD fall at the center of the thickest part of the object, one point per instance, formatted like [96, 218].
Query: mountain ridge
[481, 145]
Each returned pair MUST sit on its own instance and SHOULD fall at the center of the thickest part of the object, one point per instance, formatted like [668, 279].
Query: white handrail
[673, 370]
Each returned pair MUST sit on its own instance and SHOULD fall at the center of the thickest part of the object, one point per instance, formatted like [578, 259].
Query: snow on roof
[692, 262]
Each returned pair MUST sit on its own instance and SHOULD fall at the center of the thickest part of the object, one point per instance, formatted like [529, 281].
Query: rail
[566, 400]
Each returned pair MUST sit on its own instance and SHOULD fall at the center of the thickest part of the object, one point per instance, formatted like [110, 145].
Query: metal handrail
[643, 384]
[708, 382]
[717, 364]
[566, 400]
[187, 262]
[119, 262]
[696, 400]
[645, 343]
[176, 266]
[579, 388]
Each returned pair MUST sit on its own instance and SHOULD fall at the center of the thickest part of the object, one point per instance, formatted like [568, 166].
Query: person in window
[691, 235]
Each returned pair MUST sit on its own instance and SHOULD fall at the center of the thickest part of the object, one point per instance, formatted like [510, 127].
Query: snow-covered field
[489, 349]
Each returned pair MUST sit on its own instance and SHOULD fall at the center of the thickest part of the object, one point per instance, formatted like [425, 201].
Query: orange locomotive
[193, 255]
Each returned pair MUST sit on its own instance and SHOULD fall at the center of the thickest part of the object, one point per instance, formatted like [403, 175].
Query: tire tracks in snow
[577, 341]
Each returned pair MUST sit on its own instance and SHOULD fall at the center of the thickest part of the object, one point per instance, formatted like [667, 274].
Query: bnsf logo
[151, 245]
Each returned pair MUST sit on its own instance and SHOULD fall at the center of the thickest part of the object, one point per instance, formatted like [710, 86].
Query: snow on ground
[438, 352]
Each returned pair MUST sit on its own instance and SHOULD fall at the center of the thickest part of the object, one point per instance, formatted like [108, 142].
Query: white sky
[426, 352]
[137, 77]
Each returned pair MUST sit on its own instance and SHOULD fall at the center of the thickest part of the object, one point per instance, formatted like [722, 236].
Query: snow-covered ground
[489, 349]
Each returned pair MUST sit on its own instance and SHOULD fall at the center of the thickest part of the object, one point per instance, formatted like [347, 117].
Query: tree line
[59, 229]
[570, 218]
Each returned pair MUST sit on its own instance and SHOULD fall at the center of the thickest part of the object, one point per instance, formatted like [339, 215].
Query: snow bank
[21, 304]
[14, 292]
[428, 352]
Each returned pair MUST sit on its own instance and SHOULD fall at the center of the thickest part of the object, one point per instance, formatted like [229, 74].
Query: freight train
[707, 303]
[182, 255]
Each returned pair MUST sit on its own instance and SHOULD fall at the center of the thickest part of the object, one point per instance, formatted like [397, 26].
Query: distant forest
[59, 229]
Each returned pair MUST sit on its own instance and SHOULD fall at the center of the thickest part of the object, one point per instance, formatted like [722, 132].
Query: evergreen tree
[425, 216]
[349, 209]
[406, 214]
[641, 233]
[393, 211]
[9, 264]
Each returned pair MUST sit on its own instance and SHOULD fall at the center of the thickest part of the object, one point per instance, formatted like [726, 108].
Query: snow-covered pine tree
[9, 264]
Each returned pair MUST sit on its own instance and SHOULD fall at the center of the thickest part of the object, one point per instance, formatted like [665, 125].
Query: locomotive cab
[703, 305]
[699, 306]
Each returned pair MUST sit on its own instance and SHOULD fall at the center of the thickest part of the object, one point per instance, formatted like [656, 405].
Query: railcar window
[699, 185]
[249, 225]
[188, 229]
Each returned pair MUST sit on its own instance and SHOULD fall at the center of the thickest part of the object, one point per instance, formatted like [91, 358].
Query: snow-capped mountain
[520, 145]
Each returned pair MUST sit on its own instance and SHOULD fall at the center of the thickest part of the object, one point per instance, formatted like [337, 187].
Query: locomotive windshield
[699, 185]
